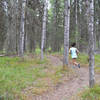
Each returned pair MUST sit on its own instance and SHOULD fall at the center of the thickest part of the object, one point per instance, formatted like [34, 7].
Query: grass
[38, 50]
[91, 94]
[17, 74]
[97, 64]
[83, 59]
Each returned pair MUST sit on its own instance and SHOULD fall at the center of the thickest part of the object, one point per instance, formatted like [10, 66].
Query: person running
[74, 54]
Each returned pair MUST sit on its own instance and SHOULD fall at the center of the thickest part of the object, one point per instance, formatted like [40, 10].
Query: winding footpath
[69, 88]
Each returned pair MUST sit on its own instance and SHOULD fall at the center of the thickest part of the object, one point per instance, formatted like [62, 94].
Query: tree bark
[43, 40]
[22, 29]
[66, 32]
[91, 42]
[10, 43]
[99, 34]
[3, 27]
[95, 33]
[76, 22]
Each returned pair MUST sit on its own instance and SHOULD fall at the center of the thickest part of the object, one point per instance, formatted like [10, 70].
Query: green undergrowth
[17, 74]
[91, 94]
[84, 60]
[38, 50]
[97, 64]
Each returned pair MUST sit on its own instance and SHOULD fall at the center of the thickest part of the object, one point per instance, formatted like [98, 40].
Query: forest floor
[68, 89]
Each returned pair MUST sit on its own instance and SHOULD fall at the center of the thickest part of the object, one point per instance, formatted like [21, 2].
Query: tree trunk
[98, 34]
[91, 42]
[10, 43]
[43, 40]
[66, 32]
[76, 22]
[99, 24]
[95, 33]
[22, 29]
[3, 28]
[54, 42]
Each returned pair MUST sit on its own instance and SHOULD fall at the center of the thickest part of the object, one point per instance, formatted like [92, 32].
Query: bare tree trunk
[10, 43]
[99, 42]
[43, 40]
[27, 39]
[76, 29]
[22, 29]
[54, 42]
[98, 34]
[91, 42]
[3, 27]
[95, 33]
[66, 32]
[99, 25]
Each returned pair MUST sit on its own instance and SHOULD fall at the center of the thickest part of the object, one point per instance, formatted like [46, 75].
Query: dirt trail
[68, 89]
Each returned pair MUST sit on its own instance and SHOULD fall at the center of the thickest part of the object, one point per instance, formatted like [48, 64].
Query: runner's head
[74, 44]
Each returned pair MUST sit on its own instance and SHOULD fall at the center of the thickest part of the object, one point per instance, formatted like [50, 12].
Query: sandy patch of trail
[69, 88]
[55, 61]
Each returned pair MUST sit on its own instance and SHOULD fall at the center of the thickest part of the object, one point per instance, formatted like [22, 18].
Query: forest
[36, 38]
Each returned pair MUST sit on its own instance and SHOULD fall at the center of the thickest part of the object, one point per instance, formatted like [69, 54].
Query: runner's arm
[77, 51]
[69, 51]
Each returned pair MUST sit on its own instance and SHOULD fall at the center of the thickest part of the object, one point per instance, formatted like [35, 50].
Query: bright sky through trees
[49, 5]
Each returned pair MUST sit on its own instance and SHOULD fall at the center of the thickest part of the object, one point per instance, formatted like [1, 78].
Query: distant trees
[20, 25]
[57, 25]
[22, 33]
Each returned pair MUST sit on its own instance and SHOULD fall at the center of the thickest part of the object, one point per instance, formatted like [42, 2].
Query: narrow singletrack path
[69, 88]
